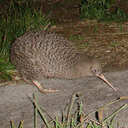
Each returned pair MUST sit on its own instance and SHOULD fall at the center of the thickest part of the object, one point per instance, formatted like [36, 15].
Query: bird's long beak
[105, 80]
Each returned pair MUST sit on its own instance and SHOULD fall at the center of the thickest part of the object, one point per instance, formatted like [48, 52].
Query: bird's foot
[48, 90]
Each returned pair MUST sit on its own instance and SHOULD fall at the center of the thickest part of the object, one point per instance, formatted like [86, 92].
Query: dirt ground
[107, 42]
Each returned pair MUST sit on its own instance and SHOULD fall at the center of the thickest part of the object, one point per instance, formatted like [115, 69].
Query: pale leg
[37, 84]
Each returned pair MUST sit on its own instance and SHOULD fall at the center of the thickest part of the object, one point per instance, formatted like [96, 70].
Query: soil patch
[107, 42]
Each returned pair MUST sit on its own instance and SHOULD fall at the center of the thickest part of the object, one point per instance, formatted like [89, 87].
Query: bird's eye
[94, 70]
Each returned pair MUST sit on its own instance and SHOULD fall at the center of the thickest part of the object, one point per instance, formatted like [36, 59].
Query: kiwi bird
[41, 54]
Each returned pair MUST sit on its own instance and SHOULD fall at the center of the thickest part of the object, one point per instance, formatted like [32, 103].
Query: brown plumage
[43, 54]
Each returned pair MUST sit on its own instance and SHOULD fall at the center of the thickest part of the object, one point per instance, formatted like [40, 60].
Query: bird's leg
[41, 89]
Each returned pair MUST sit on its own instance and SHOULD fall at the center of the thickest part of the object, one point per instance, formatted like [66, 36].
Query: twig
[107, 34]
[46, 27]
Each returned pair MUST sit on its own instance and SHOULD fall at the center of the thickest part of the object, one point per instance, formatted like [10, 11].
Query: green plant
[120, 27]
[96, 29]
[83, 45]
[20, 125]
[119, 15]
[18, 18]
[94, 9]
[77, 119]
[75, 37]
[114, 44]
[100, 10]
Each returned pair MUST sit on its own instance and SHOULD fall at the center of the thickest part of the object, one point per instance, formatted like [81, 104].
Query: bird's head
[96, 70]
[90, 67]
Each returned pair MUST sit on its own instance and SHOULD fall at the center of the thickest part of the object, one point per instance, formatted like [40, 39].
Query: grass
[76, 119]
[75, 37]
[121, 28]
[115, 44]
[18, 18]
[96, 29]
[100, 10]
[79, 38]
[83, 45]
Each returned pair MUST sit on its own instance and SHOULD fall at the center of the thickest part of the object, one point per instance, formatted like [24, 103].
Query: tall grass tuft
[19, 17]
[76, 118]
[100, 10]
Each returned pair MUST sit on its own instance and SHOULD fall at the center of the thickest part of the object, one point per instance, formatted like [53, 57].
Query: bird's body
[43, 54]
